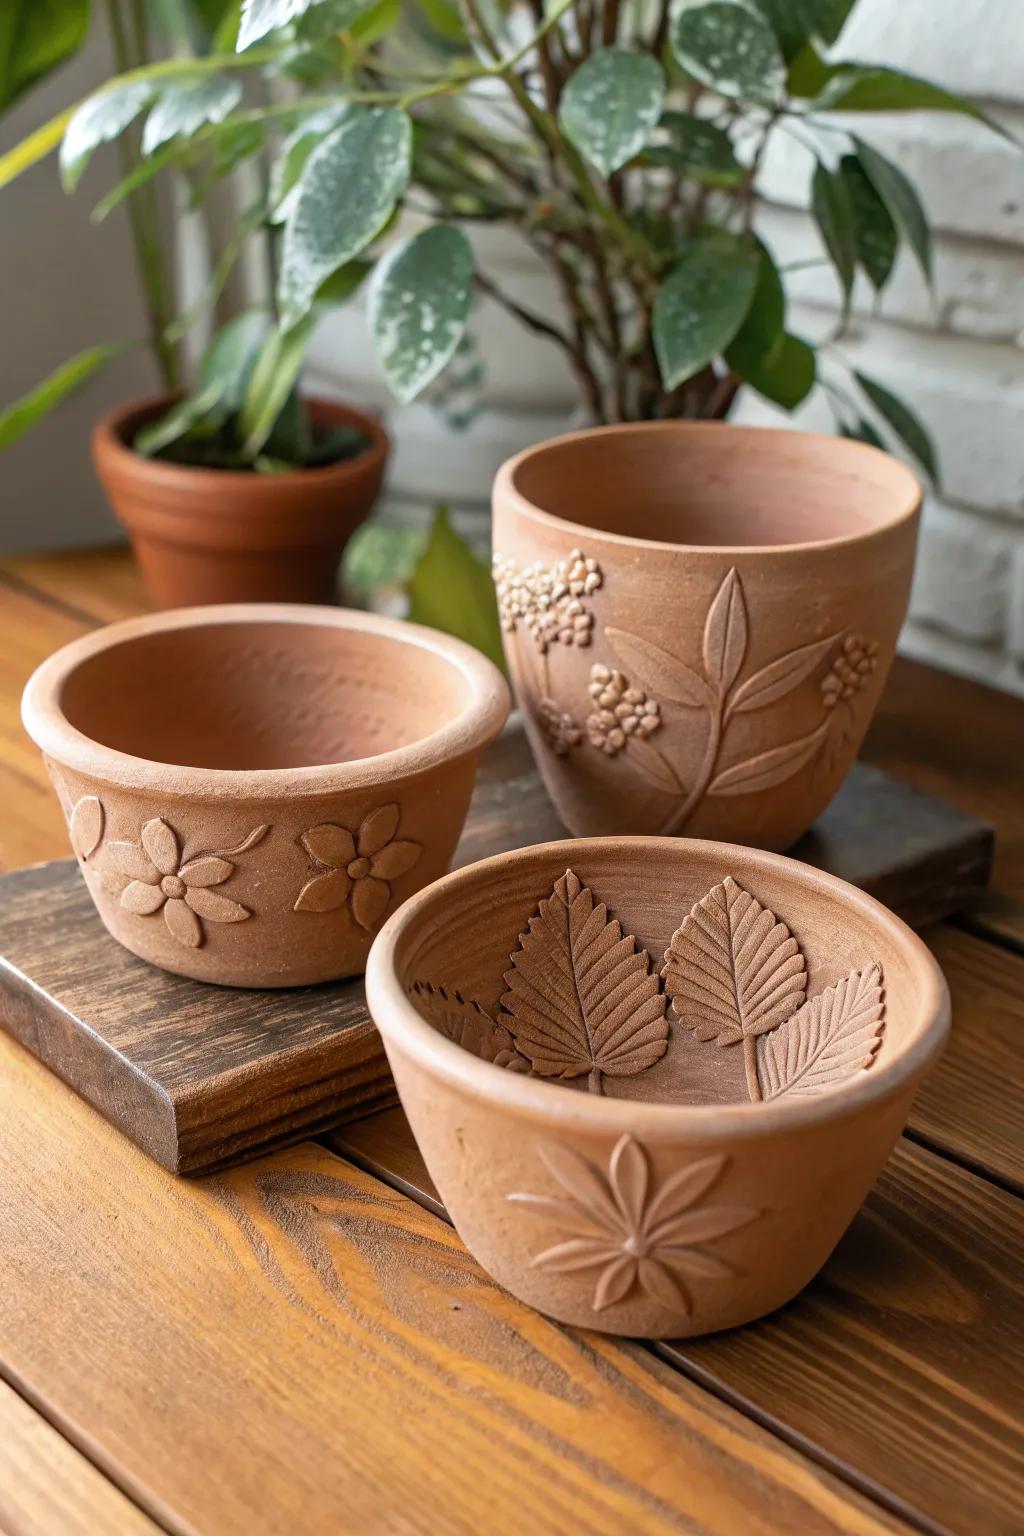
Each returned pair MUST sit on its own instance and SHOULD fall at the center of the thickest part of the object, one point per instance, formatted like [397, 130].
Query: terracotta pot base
[743, 1034]
[215, 536]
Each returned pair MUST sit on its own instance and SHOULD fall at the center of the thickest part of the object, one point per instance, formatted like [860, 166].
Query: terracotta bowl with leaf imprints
[251, 788]
[652, 1078]
[699, 620]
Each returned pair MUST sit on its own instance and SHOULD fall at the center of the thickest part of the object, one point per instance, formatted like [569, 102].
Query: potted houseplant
[623, 142]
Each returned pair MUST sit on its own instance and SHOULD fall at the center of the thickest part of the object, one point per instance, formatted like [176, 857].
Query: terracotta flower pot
[250, 789]
[699, 620]
[226, 536]
[653, 1078]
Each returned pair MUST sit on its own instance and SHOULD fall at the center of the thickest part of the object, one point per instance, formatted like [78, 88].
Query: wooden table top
[303, 1344]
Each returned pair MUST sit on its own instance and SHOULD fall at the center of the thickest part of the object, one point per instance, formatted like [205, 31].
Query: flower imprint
[634, 1234]
[620, 710]
[548, 600]
[356, 867]
[158, 880]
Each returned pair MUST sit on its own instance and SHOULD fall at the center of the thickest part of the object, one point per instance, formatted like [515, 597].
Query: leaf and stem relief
[583, 999]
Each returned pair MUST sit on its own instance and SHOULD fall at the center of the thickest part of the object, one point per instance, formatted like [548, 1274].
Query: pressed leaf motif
[827, 1040]
[469, 1025]
[581, 995]
[634, 1231]
[768, 768]
[86, 826]
[660, 673]
[725, 634]
[731, 969]
[780, 676]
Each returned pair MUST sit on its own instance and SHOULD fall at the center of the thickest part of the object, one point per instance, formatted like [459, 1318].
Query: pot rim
[108, 439]
[908, 505]
[478, 722]
[548, 1102]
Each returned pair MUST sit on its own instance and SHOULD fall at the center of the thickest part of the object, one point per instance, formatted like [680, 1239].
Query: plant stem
[712, 746]
[143, 220]
[594, 1083]
[750, 1067]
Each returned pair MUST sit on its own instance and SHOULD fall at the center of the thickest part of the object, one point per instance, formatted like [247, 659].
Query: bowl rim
[547, 1101]
[906, 509]
[485, 708]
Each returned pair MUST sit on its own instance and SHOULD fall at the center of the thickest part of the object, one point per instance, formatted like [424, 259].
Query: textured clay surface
[653, 1078]
[699, 620]
[251, 789]
[226, 536]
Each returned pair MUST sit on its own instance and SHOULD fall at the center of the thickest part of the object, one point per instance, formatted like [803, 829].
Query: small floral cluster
[559, 729]
[621, 711]
[850, 670]
[547, 600]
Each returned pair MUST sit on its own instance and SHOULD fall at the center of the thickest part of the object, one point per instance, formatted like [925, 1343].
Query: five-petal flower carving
[356, 867]
[158, 879]
[634, 1233]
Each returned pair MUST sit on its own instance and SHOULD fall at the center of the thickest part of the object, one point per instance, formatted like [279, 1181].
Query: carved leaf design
[830, 1038]
[661, 674]
[725, 634]
[86, 826]
[780, 676]
[731, 969]
[469, 1025]
[656, 766]
[768, 768]
[581, 996]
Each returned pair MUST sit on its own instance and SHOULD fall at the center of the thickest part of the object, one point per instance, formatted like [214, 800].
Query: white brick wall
[960, 361]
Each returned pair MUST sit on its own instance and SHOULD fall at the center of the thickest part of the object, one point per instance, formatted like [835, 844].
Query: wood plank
[293, 1346]
[32, 823]
[46, 1486]
[972, 1106]
[101, 585]
[901, 1366]
[197, 1075]
[962, 742]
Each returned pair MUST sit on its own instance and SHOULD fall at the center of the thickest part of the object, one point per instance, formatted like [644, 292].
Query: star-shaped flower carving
[158, 880]
[356, 868]
[633, 1233]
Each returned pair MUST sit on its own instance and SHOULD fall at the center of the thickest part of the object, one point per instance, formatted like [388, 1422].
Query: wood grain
[960, 741]
[972, 1106]
[97, 585]
[47, 1487]
[901, 1367]
[292, 1346]
[197, 1075]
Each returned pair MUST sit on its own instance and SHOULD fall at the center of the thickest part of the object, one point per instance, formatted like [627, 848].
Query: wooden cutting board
[202, 1076]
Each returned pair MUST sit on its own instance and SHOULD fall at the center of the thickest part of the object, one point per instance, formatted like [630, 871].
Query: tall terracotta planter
[217, 536]
[699, 620]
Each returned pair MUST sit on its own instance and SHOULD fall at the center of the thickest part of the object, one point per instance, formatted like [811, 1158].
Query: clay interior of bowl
[723, 487]
[261, 695]
[455, 965]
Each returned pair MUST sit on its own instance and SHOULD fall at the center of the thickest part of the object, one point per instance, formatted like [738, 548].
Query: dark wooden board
[900, 1368]
[201, 1076]
[196, 1075]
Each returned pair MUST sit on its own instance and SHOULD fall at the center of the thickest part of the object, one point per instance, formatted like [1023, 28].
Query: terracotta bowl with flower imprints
[251, 788]
[699, 620]
[653, 1078]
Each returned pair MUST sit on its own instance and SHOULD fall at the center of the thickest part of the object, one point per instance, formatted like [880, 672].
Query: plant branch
[144, 223]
